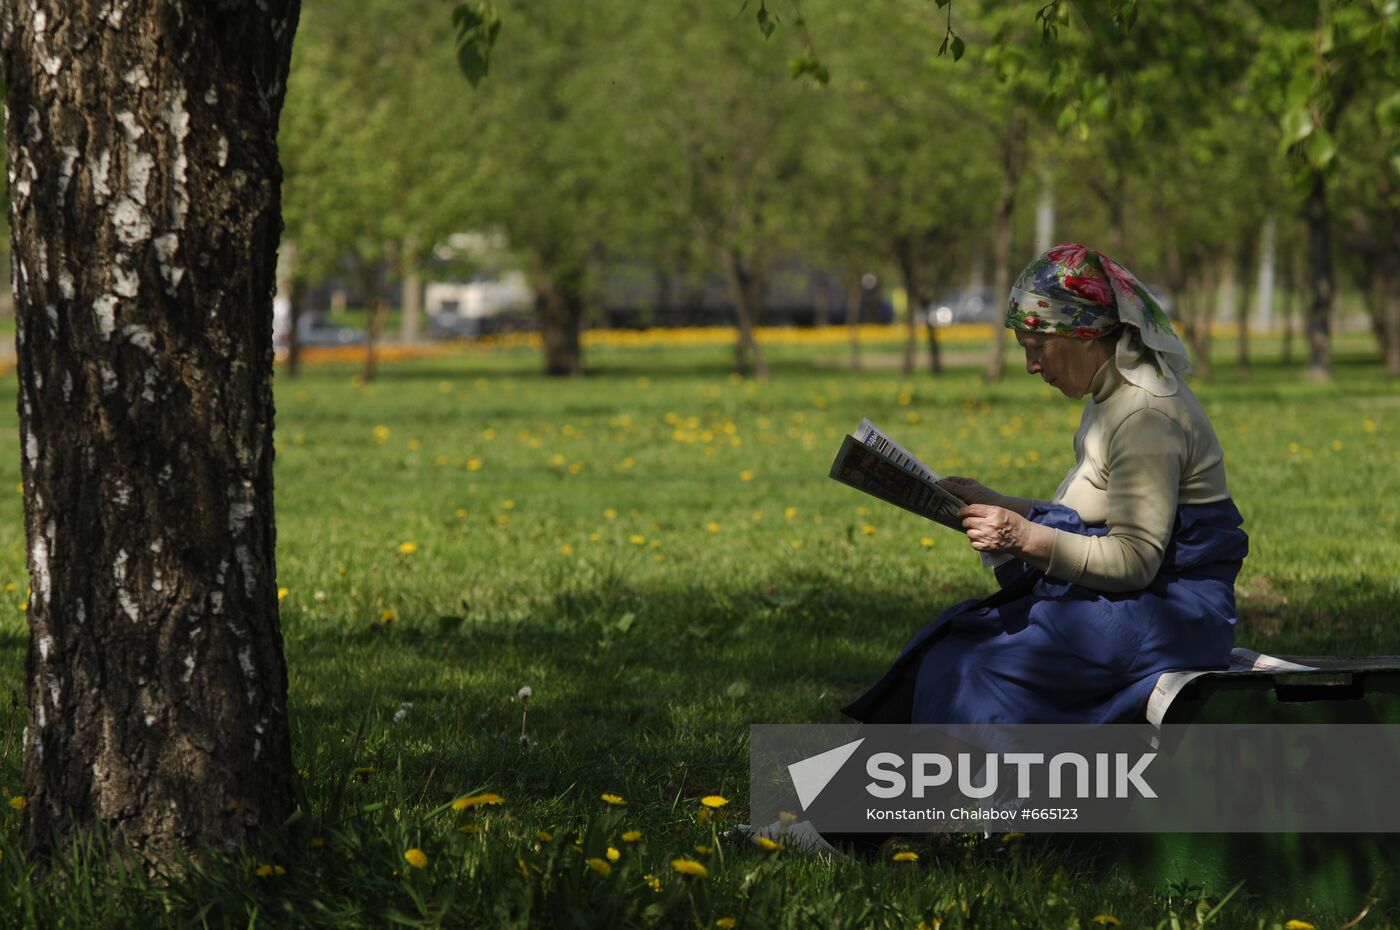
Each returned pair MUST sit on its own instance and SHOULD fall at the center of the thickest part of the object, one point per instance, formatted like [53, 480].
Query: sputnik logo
[814, 773]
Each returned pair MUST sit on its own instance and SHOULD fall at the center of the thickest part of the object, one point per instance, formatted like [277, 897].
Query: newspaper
[1170, 684]
[871, 461]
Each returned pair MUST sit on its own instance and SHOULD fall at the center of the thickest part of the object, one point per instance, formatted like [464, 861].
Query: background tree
[145, 220]
[375, 133]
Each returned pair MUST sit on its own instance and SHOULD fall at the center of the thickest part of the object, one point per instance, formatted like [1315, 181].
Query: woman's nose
[1032, 365]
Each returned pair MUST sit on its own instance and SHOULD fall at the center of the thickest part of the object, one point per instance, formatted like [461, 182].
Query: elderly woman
[1128, 571]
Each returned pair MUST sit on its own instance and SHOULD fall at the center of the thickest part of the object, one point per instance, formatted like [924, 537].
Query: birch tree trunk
[145, 216]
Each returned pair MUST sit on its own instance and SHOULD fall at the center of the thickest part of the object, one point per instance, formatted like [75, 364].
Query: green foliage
[477, 26]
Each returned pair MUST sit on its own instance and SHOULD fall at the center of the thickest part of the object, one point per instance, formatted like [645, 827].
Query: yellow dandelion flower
[690, 867]
[702, 849]
[575, 467]
[381, 433]
[507, 505]
[609, 513]
[1292, 925]
[637, 539]
[488, 434]
[502, 520]
[614, 854]
[726, 922]
[653, 882]
[282, 594]
[926, 541]
[388, 615]
[790, 513]
[1108, 920]
[416, 858]
[631, 836]
[544, 836]
[473, 464]
[19, 802]
[476, 800]
[746, 475]
[613, 799]
[627, 463]
[11, 586]
[1368, 425]
[766, 844]
[460, 513]
[712, 526]
[566, 549]
[867, 530]
[269, 871]
[414, 445]
[601, 866]
[557, 459]
[407, 548]
[905, 856]
[714, 801]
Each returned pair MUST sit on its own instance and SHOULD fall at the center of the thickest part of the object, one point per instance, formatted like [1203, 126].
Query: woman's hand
[995, 529]
[970, 490]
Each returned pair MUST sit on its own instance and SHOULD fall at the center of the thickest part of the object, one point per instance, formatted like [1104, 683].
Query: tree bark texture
[145, 215]
[1321, 280]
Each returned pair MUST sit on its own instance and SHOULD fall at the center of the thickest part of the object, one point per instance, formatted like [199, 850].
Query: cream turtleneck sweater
[1137, 456]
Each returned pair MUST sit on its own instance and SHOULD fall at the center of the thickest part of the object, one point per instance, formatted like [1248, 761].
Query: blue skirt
[1046, 651]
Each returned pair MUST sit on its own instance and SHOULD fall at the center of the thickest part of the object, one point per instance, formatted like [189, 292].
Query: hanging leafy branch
[477, 25]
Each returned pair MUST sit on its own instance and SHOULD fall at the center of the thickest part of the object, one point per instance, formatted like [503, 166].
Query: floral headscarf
[1077, 292]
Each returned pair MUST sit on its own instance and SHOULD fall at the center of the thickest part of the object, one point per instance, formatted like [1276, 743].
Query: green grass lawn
[656, 551]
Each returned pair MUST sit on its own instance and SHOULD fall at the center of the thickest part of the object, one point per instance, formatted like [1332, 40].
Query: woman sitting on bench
[1128, 571]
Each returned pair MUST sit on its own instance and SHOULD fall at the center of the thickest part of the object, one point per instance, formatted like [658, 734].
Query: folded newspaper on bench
[872, 462]
[1171, 684]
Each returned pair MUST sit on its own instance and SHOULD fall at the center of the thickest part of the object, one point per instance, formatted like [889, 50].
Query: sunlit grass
[656, 552]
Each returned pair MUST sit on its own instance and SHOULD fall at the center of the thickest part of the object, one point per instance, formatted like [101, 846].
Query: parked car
[314, 332]
[969, 305]
[450, 324]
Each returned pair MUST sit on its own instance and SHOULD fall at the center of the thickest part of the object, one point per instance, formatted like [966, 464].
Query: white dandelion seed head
[524, 693]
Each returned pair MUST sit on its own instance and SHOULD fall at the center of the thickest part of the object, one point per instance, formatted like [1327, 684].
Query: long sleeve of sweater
[1144, 462]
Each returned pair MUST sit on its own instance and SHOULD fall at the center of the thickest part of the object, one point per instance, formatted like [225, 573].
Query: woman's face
[1065, 363]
